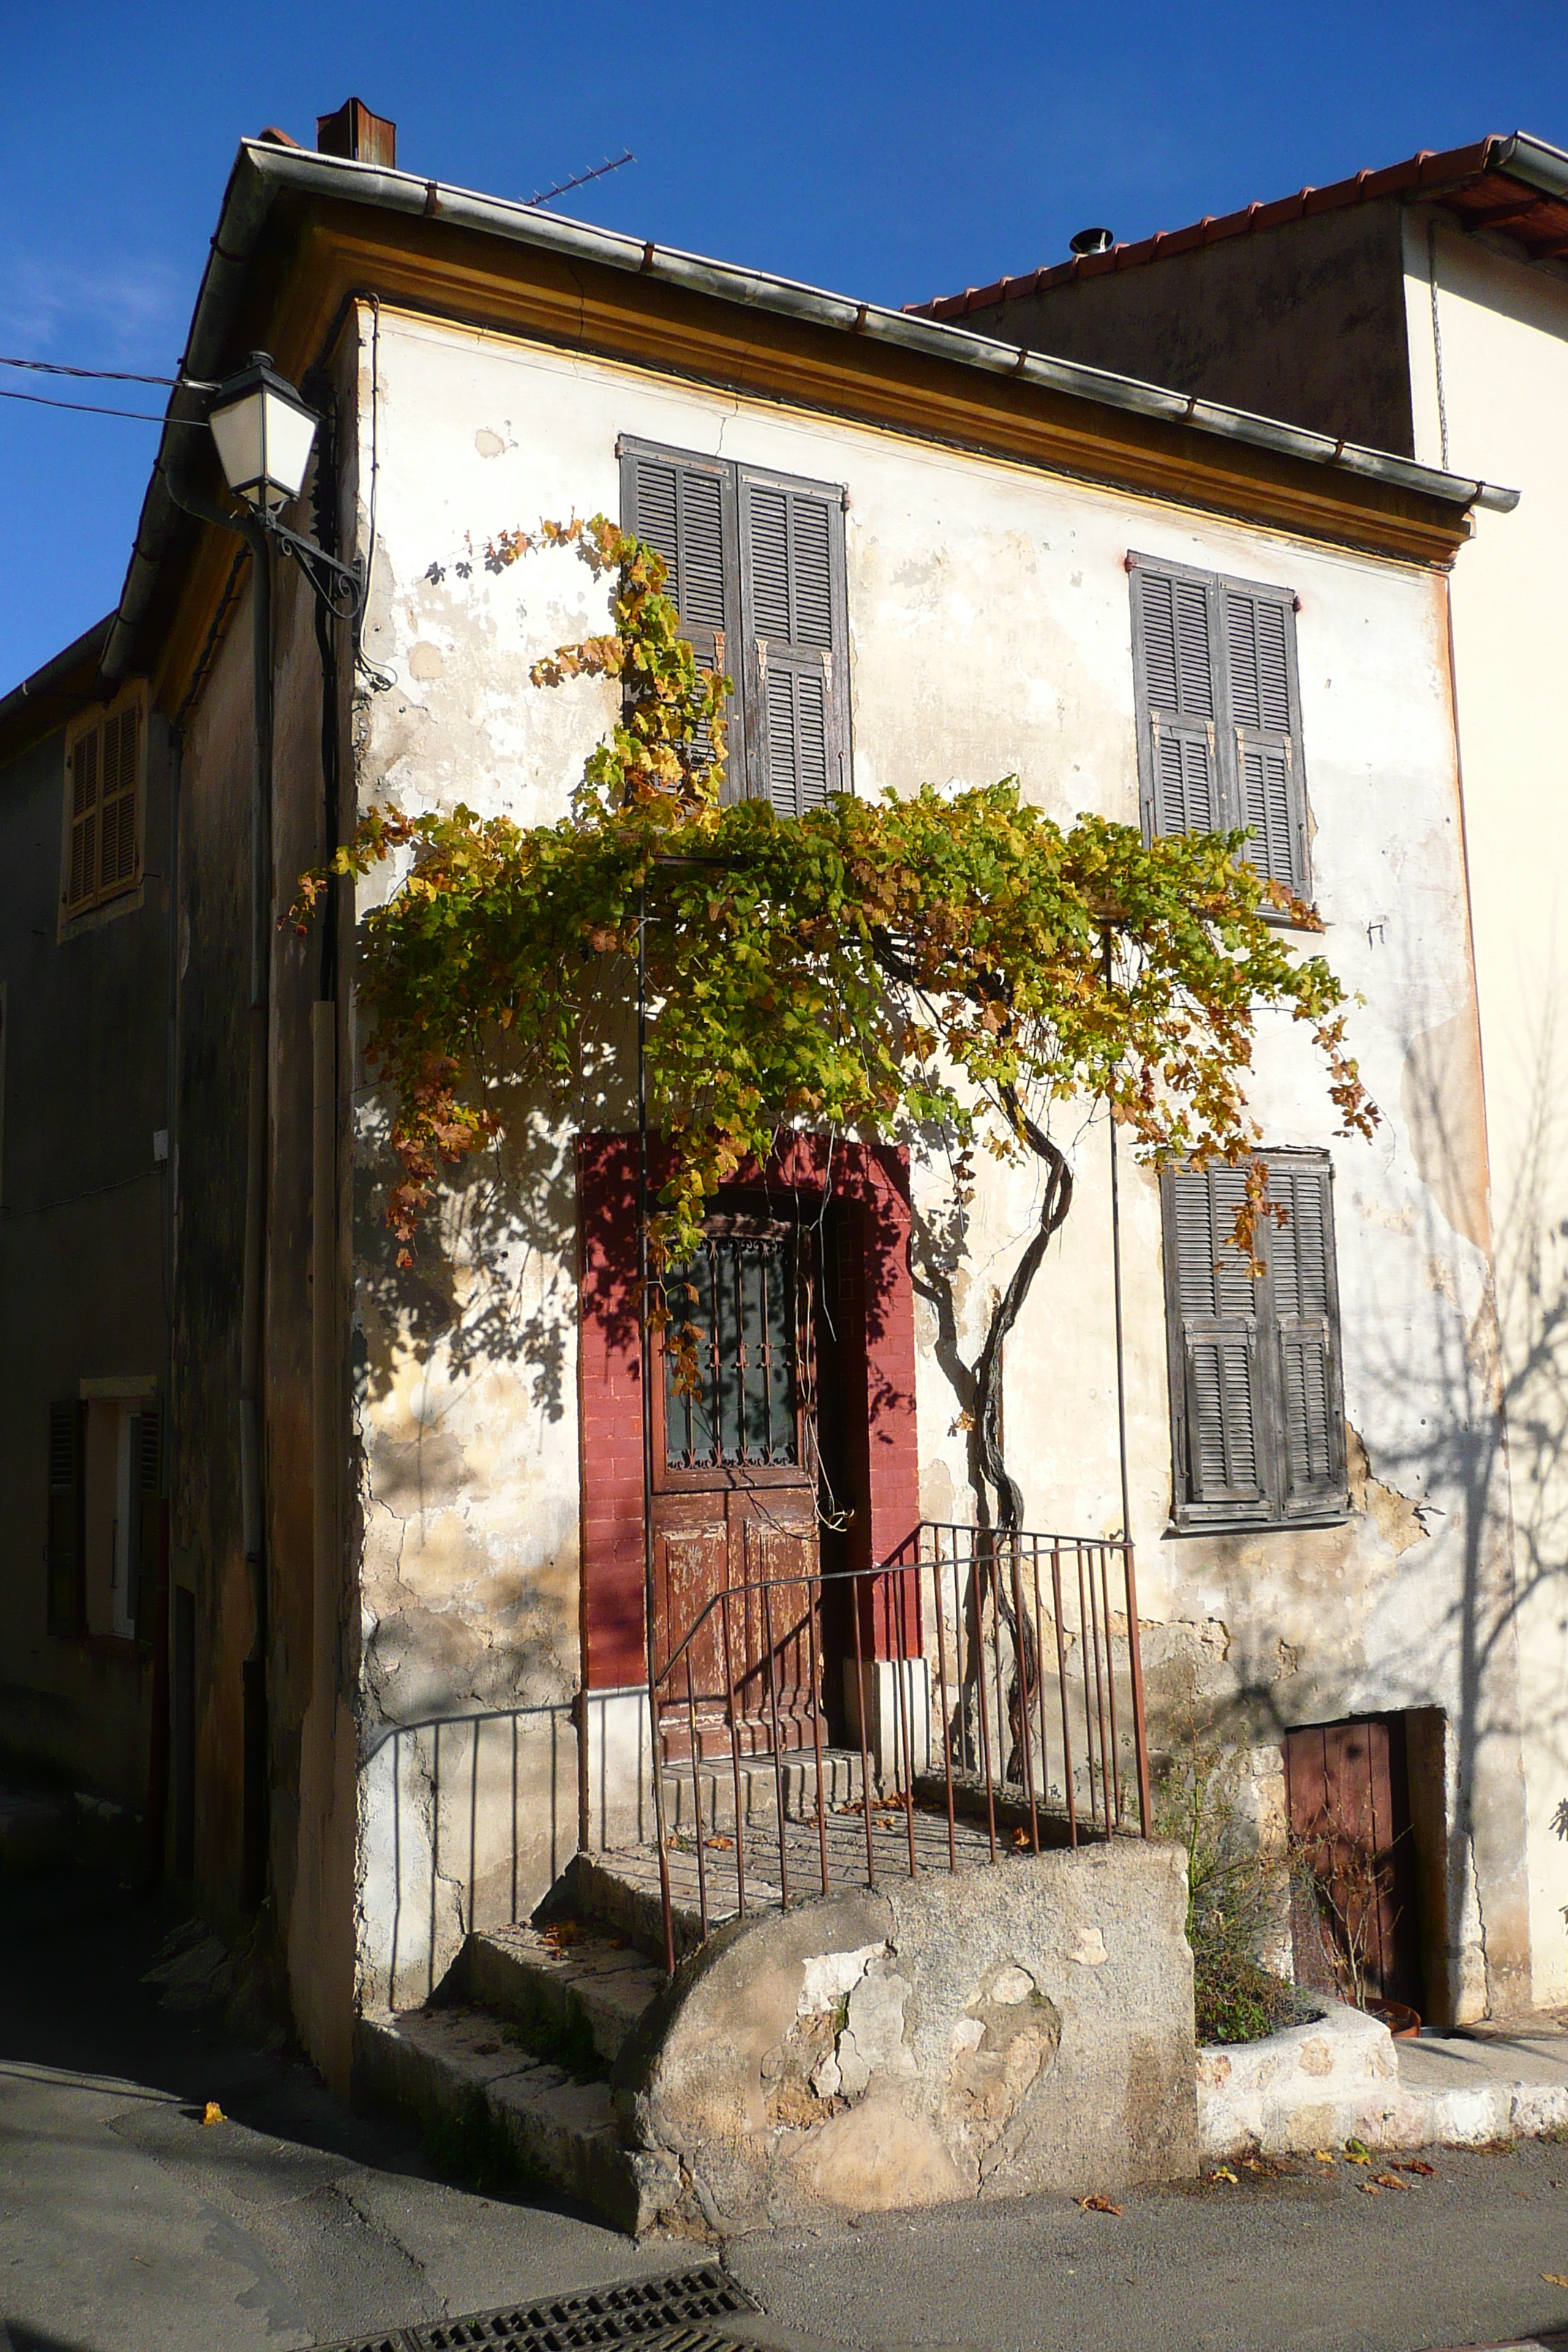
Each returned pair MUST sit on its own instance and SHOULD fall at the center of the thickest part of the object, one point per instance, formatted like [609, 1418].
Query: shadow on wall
[465, 1823]
[501, 1225]
[1496, 1363]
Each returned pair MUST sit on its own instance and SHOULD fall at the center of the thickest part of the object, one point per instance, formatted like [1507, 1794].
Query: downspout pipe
[254, 1873]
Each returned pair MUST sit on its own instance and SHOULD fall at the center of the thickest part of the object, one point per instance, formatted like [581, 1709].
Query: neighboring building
[941, 562]
[86, 834]
[1425, 309]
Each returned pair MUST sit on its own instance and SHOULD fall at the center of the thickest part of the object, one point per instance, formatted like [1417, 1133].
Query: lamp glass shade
[264, 434]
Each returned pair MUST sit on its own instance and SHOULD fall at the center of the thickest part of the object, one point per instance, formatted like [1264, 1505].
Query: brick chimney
[354, 132]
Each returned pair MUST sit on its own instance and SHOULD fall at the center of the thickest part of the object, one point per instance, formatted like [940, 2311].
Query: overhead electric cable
[104, 375]
[91, 409]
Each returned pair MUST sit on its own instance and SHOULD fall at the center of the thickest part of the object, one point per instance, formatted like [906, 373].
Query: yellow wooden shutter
[117, 793]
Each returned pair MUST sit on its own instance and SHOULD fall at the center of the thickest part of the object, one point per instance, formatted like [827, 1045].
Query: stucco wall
[989, 617]
[1503, 336]
[83, 1242]
[1232, 321]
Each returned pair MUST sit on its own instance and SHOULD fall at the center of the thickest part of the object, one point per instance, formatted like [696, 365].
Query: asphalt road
[125, 2222]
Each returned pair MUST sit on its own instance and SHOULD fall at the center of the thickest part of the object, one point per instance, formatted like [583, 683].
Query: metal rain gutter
[262, 173]
[1532, 160]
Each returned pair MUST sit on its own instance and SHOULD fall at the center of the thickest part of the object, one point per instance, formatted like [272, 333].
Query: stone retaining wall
[946, 2037]
[1337, 2078]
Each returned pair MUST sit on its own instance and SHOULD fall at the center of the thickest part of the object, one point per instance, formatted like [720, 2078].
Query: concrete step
[572, 1993]
[469, 2083]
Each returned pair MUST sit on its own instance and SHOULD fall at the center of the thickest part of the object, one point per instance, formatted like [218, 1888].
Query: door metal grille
[735, 1304]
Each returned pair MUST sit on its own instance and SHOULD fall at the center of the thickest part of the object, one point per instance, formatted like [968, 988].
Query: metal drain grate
[667, 2314]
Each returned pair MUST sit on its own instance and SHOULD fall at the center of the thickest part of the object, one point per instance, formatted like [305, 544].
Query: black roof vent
[1092, 240]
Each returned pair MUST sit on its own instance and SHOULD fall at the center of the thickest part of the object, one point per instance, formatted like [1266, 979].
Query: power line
[105, 375]
[91, 409]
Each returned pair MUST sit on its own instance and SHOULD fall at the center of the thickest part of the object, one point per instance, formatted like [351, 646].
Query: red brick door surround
[869, 1188]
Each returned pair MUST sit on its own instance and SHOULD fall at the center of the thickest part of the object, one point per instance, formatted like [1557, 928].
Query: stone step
[841, 1779]
[619, 1893]
[571, 1992]
[467, 2081]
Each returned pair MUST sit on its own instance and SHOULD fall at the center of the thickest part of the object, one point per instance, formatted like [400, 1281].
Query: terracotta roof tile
[1451, 171]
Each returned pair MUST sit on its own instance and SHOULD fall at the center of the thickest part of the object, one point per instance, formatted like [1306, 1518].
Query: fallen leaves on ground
[723, 1844]
[1222, 2172]
[213, 2113]
[1370, 2188]
[1098, 2204]
[1390, 2180]
[1325, 2156]
[1356, 2154]
[1552, 2279]
[1415, 2164]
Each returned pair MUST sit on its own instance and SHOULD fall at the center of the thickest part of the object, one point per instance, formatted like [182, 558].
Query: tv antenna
[564, 188]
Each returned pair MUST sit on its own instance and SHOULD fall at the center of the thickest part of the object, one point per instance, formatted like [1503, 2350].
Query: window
[102, 855]
[105, 1521]
[756, 567]
[1256, 1420]
[737, 1300]
[1219, 714]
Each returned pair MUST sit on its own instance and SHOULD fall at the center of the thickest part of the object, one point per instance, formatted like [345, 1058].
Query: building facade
[419, 1689]
[1424, 308]
[86, 813]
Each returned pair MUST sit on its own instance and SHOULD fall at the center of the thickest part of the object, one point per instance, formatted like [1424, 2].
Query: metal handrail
[997, 1580]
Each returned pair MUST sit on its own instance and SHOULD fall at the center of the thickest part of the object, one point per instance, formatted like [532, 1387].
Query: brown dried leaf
[1098, 2204]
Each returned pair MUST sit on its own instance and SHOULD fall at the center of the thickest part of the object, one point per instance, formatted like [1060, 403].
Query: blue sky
[890, 152]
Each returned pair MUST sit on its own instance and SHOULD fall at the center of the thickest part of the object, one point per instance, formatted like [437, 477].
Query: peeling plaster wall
[1503, 324]
[989, 633]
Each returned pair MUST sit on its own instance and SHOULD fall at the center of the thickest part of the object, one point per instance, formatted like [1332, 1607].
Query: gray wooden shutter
[684, 507]
[1221, 1422]
[1303, 1295]
[1260, 640]
[795, 616]
[1174, 659]
[66, 1530]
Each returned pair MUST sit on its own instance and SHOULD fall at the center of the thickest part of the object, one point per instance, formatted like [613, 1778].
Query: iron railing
[992, 1704]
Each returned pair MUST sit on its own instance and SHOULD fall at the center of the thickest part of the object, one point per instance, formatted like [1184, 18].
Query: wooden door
[735, 1527]
[1356, 1929]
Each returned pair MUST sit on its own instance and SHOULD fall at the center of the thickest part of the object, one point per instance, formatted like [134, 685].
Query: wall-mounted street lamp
[264, 433]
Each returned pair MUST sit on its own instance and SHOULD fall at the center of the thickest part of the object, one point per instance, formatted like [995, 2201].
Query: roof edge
[262, 174]
[33, 708]
[1423, 177]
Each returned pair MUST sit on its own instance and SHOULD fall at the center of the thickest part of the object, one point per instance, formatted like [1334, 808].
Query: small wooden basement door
[1348, 1795]
[735, 1519]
